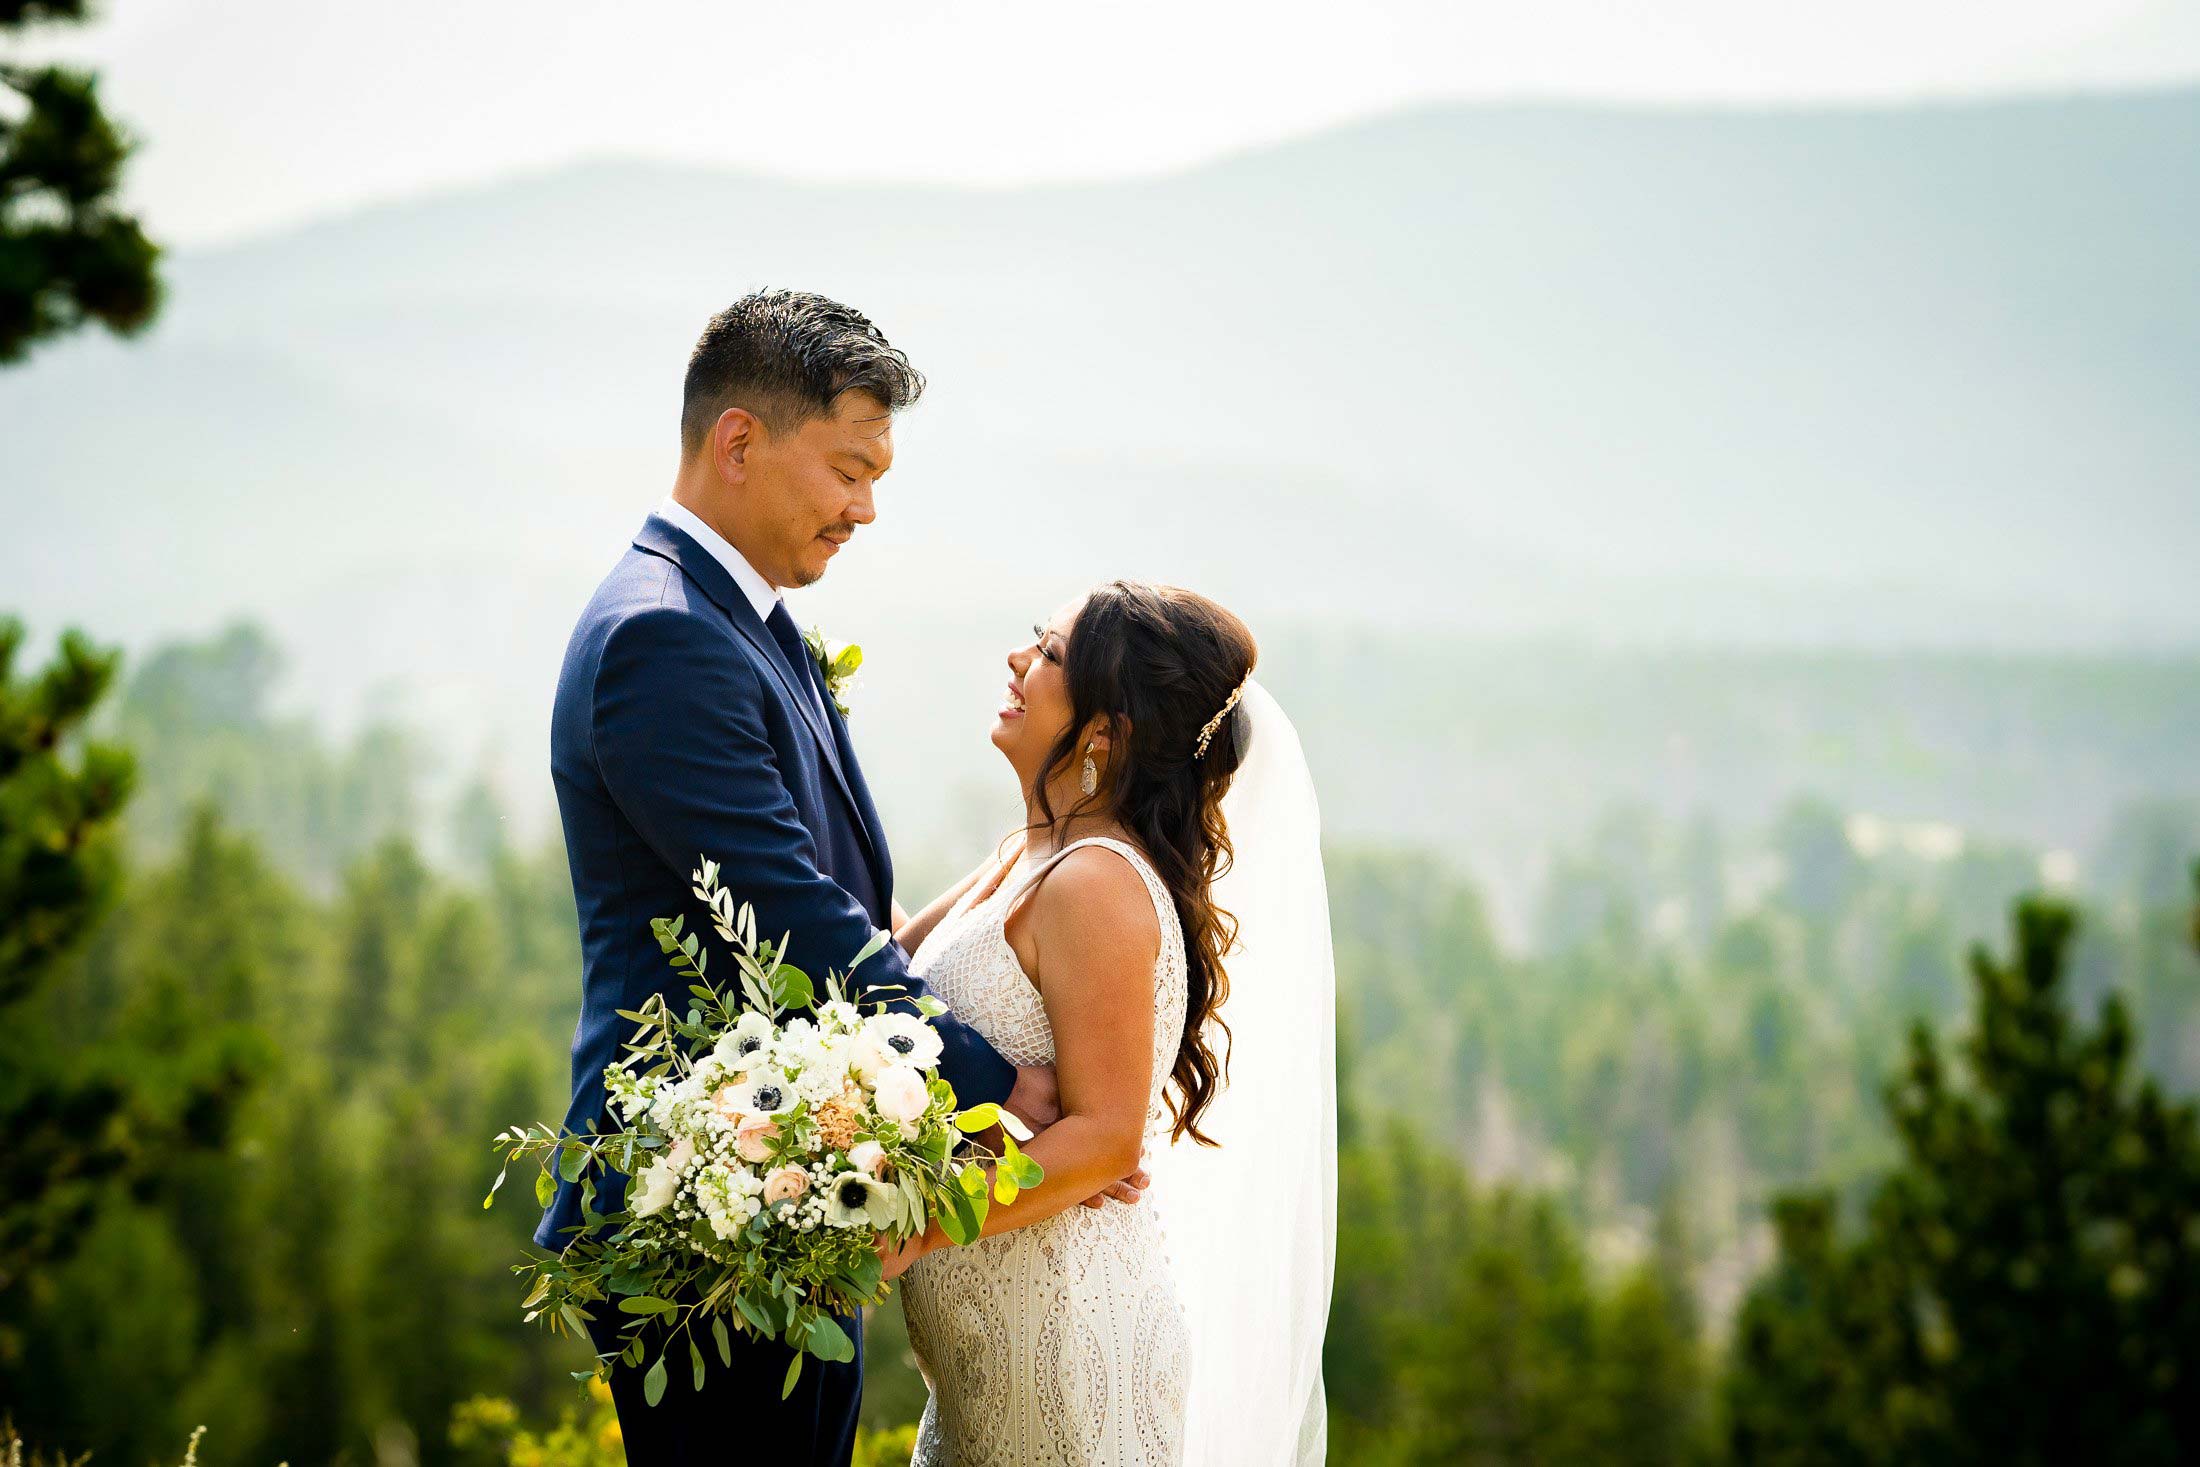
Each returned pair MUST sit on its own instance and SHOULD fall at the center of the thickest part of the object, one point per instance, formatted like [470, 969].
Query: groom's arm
[680, 742]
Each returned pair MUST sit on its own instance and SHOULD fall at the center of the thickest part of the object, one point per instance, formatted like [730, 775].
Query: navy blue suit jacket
[679, 732]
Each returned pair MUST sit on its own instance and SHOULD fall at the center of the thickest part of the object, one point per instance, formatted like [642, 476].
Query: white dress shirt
[761, 593]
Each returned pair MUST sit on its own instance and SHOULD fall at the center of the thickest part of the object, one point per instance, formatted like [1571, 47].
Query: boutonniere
[836, 665]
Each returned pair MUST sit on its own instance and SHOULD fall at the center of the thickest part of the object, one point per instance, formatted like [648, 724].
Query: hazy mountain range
[1880, 379]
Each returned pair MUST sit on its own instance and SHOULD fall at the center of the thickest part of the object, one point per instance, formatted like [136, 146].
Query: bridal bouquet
[770, 1136]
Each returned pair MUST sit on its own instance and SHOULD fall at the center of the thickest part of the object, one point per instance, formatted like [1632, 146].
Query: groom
[692, 722]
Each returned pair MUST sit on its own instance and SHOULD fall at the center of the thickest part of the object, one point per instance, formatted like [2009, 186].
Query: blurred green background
[1731, 569]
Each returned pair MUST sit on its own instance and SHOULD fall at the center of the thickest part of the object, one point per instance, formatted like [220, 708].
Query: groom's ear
[731, 437]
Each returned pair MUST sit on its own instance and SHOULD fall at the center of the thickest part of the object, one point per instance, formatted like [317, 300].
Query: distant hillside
[1870, 378]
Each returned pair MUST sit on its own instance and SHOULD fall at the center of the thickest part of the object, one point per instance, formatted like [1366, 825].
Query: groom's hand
[1036, 1100]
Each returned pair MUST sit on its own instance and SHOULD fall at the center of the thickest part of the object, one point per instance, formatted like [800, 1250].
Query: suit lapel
[660, 537]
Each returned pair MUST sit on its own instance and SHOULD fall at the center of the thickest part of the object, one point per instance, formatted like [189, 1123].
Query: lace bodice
[968, 963]
[1062, 1342]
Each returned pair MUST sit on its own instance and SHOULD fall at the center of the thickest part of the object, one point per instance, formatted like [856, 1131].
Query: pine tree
[58, 803]
[2027, 1285]
[59, 869]
[67, 255]
[1649, 1376]
[92, 1095]
[1647, 1379]
[1827, 1356]
[380, 938]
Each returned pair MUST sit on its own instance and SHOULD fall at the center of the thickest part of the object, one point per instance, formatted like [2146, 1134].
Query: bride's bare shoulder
[1095, 900]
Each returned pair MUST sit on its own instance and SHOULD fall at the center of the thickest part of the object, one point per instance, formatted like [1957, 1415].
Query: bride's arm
[1092, 929]
[911, 932]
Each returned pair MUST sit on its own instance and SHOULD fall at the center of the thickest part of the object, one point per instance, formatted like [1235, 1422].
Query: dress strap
[1164, 907]
[1044, 867]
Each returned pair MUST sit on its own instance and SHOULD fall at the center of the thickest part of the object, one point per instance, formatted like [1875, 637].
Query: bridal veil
[1252, 1224]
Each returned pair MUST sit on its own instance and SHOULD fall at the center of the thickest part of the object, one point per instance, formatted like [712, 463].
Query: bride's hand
[1129, 1189]
[898, 1256]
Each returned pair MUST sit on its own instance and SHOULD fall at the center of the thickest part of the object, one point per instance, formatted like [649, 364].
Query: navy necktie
[792, 647]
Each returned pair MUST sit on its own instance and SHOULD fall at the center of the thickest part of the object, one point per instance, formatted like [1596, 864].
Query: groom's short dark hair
[785, 355]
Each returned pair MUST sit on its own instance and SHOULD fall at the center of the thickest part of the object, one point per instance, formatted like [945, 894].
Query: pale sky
[261, 113]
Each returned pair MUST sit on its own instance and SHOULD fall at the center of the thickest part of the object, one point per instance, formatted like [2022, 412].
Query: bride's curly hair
[1159, 664]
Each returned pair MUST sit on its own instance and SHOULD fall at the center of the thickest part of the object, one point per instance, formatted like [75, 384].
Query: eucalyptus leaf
[695, 1358]
[828, 1341]
[725, 1342]
[653, 1384]
[754, 1313]
[793, 988]
[794, 1373]
[878, 941]
[914, 1198]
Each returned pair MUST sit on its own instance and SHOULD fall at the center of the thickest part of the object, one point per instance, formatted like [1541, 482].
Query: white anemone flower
[766, 1092]
[738, 1047]
[858, 1200]
[887, 1040]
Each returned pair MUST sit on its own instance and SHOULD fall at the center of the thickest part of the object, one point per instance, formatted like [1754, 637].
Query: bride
[1160, 936]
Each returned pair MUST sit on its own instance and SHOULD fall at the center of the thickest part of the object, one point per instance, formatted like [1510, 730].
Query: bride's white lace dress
[1062, 1342]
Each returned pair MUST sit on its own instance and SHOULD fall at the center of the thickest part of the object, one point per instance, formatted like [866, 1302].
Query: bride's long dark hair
[1158, 664]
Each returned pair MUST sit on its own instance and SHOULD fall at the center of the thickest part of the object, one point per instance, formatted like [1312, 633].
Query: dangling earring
[1088, 778]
